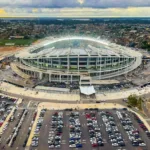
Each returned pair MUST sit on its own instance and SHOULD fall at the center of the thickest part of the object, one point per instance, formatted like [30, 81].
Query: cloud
[76, 12]
[2, 11]
[75, 3]
[35, 10]
[81, 1]
[75, 8]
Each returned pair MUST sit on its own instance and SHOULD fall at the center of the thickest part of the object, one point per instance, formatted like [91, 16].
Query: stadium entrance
[87, 93]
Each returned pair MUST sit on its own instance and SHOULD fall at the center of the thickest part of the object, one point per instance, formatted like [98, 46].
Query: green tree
[132, 100]
[135, 101]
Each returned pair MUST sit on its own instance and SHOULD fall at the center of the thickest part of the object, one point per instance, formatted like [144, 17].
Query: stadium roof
[108, 49]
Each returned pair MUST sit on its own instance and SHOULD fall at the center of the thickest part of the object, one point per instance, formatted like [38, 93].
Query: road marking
[84, 142]
[105, 142]
[63, 140]
[28, 104]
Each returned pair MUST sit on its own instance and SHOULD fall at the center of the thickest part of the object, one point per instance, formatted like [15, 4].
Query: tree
[145, 45]
[132, 100]
[135, 101]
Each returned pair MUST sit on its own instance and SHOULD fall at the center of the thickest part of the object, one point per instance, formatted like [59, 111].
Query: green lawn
[18, 42]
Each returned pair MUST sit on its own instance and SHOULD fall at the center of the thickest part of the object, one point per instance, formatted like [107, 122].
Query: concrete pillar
[68, 63]
[40, 75]
[50, 78]
[60, 78]
[35, 74]
[78, 64]
[71, 78]
[96, 62]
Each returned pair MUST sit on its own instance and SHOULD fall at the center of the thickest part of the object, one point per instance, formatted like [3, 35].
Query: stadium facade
[70, 58]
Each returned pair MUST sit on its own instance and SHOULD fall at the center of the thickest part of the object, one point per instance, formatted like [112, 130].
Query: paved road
[56, 101]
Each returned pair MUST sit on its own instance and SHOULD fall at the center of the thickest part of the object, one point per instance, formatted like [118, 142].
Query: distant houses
[16, 37]
[9, 44]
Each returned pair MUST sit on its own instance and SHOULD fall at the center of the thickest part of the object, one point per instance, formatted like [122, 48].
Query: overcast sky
[75, 8]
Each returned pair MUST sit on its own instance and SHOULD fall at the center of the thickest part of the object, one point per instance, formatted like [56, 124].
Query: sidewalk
[6, 87]
[32, 130]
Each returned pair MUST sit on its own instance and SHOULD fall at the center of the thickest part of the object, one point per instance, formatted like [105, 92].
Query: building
[70, 58]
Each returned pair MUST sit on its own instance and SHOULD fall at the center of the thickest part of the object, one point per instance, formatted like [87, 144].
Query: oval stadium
[73, 58]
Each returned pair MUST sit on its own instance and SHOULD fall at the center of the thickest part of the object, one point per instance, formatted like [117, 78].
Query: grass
[17, 42]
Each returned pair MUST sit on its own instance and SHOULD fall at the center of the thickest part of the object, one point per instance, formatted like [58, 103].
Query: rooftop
[76, 46]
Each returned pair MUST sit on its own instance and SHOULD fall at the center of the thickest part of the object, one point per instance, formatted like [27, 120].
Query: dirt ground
[9, 48]
[148, 106]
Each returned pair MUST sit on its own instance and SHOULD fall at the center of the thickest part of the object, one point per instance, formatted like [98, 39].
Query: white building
[70, 58]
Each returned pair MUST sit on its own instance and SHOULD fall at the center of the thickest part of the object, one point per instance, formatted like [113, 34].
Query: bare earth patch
[148, 106]
[9, 48]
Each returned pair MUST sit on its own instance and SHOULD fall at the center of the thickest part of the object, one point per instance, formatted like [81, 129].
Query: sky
[74, 8]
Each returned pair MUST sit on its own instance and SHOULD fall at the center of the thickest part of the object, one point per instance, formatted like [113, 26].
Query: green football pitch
[17, 42]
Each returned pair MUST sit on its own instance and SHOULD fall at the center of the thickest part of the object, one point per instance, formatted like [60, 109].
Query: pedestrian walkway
[6, 87]
[17, 71]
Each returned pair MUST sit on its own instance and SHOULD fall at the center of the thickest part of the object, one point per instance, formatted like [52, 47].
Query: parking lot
[6, 105]
[17, 130]
[90, 130]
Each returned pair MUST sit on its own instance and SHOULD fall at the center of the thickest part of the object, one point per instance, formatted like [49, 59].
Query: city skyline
[75, 8]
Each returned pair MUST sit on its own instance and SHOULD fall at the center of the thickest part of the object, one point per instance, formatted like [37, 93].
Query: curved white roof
[105, 49]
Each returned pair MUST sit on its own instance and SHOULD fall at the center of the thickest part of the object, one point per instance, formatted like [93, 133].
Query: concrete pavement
[69, 97]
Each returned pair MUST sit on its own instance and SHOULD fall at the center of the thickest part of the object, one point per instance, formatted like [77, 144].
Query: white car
[142, 144]
[34, 143]
[51, 137]
[114, 144]
[18, 115]
[72, 145]
[57, 146]
[51, 146]
[49, 141]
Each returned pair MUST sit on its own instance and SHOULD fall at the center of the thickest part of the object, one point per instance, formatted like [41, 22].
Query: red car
[1, 123]
[94, 145]
[94, 118]
[141, 124]
[136, 131]
[88, 116]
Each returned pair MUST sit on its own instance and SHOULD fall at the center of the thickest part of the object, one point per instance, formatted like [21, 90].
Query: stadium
[69, 59]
